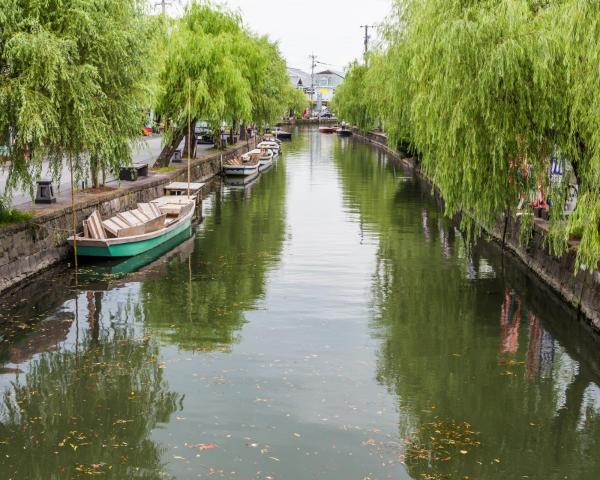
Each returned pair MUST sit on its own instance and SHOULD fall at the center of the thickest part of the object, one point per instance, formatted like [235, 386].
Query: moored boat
[283, 135]
[344, 131]
[326, 129]
[136, 231]
[265, 158]
[246, 166]
[273, 146]
[269, 137]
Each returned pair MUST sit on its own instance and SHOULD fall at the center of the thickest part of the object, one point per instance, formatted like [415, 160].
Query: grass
[10, 217]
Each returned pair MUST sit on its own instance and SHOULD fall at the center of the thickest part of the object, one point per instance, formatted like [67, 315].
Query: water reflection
[200, 305]
[462, 348]
[325, 322]
[86, 406]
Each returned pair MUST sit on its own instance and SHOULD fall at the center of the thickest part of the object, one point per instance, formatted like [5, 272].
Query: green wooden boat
[177, 218]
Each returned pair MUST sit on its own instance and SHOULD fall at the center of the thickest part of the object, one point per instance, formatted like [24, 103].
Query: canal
[326, 322]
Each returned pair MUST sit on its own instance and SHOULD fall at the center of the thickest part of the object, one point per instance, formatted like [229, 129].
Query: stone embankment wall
[581, 291]
[27, 249]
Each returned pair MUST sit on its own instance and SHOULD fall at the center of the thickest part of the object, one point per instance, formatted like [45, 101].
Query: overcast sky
[330, 28]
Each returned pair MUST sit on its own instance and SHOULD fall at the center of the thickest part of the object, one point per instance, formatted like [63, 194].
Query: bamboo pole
[189, 173]
[73, 215]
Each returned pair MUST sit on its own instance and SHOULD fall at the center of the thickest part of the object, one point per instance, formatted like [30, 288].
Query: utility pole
[313, 57]
[163, 4]
[367, 38]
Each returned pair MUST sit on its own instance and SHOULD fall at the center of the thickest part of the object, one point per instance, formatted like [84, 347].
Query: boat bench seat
[119, 229]
[93, 227]
[171, 209]
[150, 210]
[132, 219]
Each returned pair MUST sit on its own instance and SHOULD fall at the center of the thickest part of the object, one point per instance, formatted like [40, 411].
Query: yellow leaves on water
[93, 468]
[509, 364]
[440, 440]
[121, 422]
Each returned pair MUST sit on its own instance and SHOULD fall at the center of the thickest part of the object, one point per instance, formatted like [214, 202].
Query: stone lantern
[45, 192]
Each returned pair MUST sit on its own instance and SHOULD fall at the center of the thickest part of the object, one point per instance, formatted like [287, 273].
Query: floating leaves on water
[203, 446]
[121, 422]
[439, 440]
[93, 468]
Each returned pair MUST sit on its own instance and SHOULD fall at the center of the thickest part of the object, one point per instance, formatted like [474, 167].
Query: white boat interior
[270, 145]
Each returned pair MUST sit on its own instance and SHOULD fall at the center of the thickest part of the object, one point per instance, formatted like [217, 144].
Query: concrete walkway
[63, 197]
[148, 151]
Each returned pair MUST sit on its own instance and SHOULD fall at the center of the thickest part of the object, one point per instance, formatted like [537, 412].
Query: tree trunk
[234, 128]
[192, 143]
[167, 152]
[95, 171]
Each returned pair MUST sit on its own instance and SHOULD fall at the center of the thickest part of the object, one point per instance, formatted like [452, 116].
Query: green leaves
[72, 82]
[236, 76]
[485, 91]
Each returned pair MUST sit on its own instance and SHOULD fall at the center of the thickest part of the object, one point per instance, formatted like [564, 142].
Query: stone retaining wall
[581, 291]
[29, 248]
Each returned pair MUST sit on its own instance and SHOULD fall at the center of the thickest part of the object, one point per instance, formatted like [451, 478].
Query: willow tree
[271, 91]
[71, 84]
[578, 24]
[483, 106]
[351, 102]
[297, 101]
[217, 71]
[201, 78]
[486, 92]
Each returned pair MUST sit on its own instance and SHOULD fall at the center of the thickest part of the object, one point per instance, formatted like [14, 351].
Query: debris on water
[439, 441]
[202, 446]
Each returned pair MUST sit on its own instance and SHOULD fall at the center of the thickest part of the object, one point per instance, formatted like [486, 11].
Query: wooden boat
[239, 181]
[283, 135]
[268, 137]
[327, 129]
[246, 166]
[152, 257]
[344, 131]
[136, 231]
[264, 156]
[273, 146]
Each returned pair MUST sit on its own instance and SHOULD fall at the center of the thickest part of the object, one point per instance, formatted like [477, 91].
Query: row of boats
[151, 224]
[251, 164]
[158, 222]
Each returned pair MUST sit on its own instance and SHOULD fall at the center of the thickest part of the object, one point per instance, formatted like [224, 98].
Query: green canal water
[324, 323]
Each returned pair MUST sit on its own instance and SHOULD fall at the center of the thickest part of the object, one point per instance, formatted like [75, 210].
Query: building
[325, 83]
[299, 78]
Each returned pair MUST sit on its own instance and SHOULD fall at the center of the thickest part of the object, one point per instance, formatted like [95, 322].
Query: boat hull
[240, 181]
[344, 133]
[240, 170]
[120, 249]
[265, 164]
